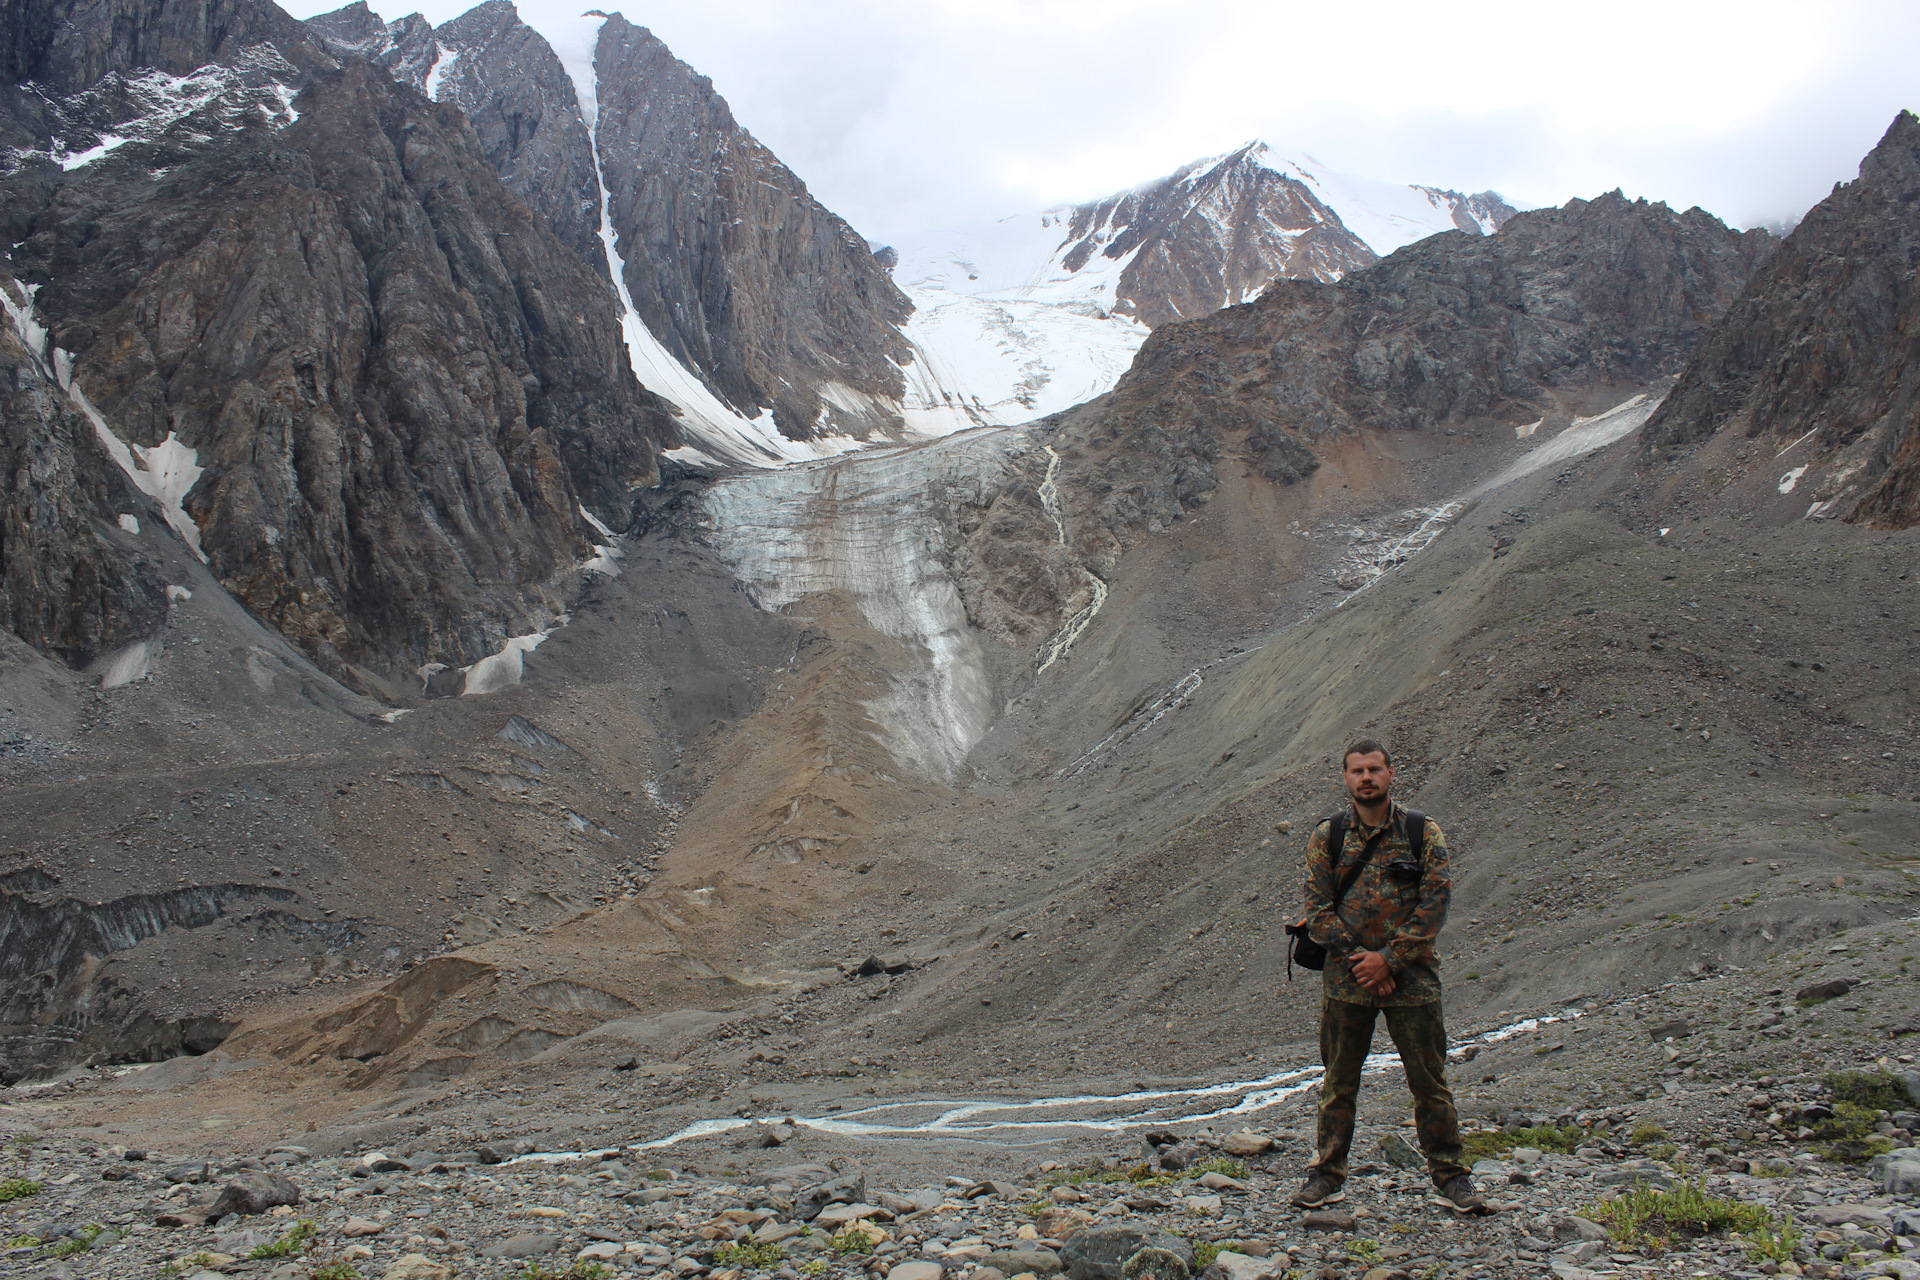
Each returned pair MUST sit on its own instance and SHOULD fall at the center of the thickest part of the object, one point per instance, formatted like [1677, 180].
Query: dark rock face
[1447, 330]
[1827, 338]
[400, 386]
[72, 582]
[740, 273]
[516, 94]
[762, 293]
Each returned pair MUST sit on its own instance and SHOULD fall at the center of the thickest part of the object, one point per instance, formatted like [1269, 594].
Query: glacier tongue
[880, 527]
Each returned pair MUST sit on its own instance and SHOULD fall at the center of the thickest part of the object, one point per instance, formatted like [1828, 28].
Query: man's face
[1369, 777]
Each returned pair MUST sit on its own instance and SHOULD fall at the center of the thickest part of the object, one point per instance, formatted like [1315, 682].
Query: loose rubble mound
[1738, 1123]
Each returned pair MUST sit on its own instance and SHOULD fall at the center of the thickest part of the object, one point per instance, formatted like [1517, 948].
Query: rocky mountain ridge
[1030, 315]
[1819, 358]
[362, 382]
[760, 313]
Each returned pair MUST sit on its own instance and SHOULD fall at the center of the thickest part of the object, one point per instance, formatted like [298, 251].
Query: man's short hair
[1363, 747]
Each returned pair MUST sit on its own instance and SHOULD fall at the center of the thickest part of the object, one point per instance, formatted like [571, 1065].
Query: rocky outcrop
[74, 582]
[1827, 339]
[739, 272]
[1447, 330]
[516, 94]
[396, 386]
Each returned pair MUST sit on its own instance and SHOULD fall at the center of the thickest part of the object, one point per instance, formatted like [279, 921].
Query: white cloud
[907, 115]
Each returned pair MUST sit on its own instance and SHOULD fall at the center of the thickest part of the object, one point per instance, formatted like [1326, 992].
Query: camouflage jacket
[1400, 915]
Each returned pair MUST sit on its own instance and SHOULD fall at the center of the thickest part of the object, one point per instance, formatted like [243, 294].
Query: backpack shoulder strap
[1417, 834]
[1336, 836]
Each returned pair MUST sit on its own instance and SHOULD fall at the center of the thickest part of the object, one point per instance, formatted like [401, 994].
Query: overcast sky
[904, 114]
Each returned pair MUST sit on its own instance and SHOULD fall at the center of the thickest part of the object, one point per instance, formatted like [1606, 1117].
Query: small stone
[1400, 1153]
[1328, 1220]
[1214, 1180]
[1577, 1228]
[381, 1162]
[1831, 990]
[487, 1155]
[1102, 1252]
[991, 1187]
[529, 1245]
[418, 1266]
[356, 1227]
[1201, 1206]
[1155, 1264]
[916, 1271]
[601, 1251]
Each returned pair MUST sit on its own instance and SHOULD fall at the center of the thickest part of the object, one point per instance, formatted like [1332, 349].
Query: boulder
[255, 1191]
[1229, 1265]
[851, 1189]
[1897, 1172]
[1328, 1220]
[1058, 1224]
[418, 1266]
[1246, 1143]
[1825, 990]
[835, 1216]
[1041, 1262]
[357, 1227]
[916, 1271]
[1101, 1253]
[1833, 1215]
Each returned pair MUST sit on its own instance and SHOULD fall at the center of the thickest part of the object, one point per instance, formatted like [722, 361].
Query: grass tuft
[1546, 1137]
[759, 1257]
[1647, 1219]
[17, 1189]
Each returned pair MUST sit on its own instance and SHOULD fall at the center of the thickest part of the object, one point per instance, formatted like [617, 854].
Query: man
[1380, 939]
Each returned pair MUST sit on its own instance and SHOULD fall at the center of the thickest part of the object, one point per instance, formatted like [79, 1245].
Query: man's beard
[1379, 798]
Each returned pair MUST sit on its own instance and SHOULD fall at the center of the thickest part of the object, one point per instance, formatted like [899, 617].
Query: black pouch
[1404, 873]
[1303, 950]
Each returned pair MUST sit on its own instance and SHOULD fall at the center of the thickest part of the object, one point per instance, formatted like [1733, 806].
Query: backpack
[1301, 947]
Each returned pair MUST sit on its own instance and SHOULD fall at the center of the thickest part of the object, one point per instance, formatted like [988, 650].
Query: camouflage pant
[1346, 1035]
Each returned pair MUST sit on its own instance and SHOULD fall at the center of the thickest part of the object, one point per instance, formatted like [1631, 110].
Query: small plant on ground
[1217, 1164]
[1367, 1249]
[813, 1267]
[79, 1242]
[198, 1262]
[1544, 1137]
[298, 1240]
[18, 1188]
[1649, 1219]
[760, 1257]
[1646, 1133]
[578, 1271]
[850, 1243]
[1874, 1090]
[1764, 1244]
[336, 1270]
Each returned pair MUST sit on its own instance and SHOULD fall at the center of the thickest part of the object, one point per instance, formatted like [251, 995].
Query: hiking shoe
[1319, 1190]
[1459, 1196]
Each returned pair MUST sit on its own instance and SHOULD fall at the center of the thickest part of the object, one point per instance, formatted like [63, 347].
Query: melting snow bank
[1012, 1121]
[882, 528]
[503, 670]
[1581, 437]
[166, 472]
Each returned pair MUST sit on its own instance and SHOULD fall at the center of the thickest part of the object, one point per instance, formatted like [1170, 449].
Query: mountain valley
[526, 637]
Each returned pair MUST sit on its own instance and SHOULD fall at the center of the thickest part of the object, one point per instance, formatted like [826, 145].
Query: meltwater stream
[1037, 1121]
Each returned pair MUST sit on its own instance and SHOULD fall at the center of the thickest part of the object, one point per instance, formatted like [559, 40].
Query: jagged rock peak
[741, 274]
[1826, 339]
